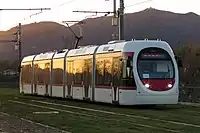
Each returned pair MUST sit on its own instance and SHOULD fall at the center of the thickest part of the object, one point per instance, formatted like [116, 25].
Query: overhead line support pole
[19, 43]
[121, 20]
[114, 8]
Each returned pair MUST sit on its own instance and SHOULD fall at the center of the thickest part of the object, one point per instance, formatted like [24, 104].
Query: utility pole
[114, 8]
[121, 20]
[19, 42]
[117, 20]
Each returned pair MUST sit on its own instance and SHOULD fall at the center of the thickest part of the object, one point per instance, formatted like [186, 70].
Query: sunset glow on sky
[62, 9]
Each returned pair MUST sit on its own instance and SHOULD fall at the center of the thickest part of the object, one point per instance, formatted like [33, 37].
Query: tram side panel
[111, 86]
[117, 72]
[127, 87]
[42, 77]
[26, 78]
[77, 86]
[103, 88]
[74, 78]
[124, 88]
[57, 77]
[87, 78]
[79, 74]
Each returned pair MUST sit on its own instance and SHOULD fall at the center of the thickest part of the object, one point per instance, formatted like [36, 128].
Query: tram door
[116, 79]
[87, 77]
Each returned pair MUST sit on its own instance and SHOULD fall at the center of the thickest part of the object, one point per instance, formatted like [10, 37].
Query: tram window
[23, 79]
[117, 68]
[87, 72]
[127, 76]
[47, 73]
[43, 72]
[26, 76]
[40, 75]
[103, 71]
[78, 71]
[36, 70]
[57, 73]
[29, 73]
[108, 71]
[100, 71]
[69, 72]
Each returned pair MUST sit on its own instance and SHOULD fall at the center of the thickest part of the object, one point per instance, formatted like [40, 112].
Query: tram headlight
[169, 85]
[147, 85]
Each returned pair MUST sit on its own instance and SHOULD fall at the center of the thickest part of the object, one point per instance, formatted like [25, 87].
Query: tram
[133, 72]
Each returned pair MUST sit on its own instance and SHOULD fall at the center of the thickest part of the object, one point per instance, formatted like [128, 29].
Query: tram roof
[44, 56]
[28, 58]
[87, 50]
[60, 54]
[112, 46]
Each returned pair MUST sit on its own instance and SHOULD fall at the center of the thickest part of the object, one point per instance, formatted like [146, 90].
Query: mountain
[150, 23]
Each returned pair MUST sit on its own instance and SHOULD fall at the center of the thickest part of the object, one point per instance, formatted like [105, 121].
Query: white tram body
[124, 72]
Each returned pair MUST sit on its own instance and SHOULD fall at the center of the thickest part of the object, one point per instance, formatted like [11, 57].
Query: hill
[174, 28]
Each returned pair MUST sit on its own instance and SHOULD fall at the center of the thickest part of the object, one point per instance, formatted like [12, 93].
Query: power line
[52, 8]
[67, 2]
[60, 5]
[96, 12]
[7, 41]
[115, 12]
[23, 9]
[138, 3]
[93, 12]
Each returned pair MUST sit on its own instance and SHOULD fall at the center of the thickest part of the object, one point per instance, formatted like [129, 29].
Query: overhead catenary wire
[138, 3]
[67, 2]
[23, 9]
[52, 8]
[120, 15]
[38, 13]
[95, 13]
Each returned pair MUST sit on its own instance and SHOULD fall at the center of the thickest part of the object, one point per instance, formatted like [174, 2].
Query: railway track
[109, 116]
[73, 116]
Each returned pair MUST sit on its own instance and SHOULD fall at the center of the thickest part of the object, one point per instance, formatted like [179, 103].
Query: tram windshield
[155, 65]
[158, 69]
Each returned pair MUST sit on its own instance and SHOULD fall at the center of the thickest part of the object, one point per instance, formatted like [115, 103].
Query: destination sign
[154, 56]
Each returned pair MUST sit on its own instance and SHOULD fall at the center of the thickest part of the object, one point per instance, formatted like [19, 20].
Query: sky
[61, 10]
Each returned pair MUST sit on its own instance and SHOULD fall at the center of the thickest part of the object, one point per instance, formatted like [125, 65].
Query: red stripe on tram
[127, 88]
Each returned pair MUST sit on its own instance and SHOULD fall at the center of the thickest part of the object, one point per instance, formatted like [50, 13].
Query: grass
[126, 119]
